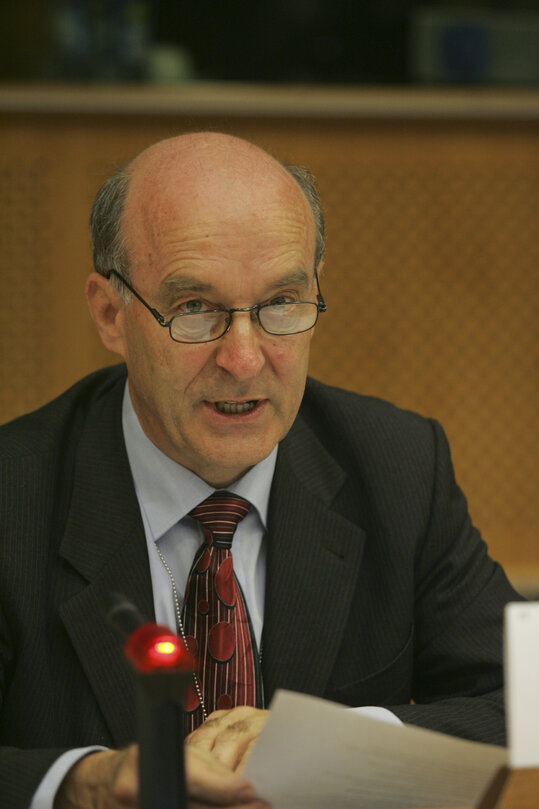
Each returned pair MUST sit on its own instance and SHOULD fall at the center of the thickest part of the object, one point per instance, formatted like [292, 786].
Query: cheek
[140, 339]
[182, 365]
[290, 359]
[150, 365]
[150, 348]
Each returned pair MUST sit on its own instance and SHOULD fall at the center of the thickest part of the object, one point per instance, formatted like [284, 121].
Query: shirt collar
[168, 491]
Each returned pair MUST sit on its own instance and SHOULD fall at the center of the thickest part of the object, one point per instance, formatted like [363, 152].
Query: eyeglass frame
[320, 307]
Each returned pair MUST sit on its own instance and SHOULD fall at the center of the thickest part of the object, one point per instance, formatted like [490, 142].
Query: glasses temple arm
[158, 316]
[322, 306]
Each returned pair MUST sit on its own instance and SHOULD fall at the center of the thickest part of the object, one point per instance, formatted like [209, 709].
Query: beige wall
[430, 279]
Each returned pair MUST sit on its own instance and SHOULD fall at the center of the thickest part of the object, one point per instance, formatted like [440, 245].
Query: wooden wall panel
[430, 276]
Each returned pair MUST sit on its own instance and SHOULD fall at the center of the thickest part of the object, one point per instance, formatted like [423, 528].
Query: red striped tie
[215, 617]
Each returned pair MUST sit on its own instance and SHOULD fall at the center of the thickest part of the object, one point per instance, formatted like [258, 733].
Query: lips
[231, 408]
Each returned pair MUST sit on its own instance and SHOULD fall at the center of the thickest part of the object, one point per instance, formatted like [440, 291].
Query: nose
[240, 352]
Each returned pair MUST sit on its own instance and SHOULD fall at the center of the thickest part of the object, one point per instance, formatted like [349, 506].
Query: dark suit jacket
[379, 590]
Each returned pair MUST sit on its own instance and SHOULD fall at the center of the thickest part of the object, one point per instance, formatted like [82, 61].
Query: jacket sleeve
[460, 595]
[21, 770]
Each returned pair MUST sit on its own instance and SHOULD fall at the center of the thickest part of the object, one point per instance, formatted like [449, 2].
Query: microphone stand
[163, 670]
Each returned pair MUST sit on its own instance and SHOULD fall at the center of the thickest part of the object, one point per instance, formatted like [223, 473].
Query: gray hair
[306, 181]
[110, 250]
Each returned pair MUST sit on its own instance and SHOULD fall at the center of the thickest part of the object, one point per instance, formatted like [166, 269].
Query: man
[364, 579]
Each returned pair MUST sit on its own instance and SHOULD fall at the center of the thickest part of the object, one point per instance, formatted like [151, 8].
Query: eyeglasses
[207, 325]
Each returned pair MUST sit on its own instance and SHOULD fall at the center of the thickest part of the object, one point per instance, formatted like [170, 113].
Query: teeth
[234, 407]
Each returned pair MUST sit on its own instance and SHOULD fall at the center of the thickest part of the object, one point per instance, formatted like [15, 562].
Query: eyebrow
[173, 287]
[293, 278]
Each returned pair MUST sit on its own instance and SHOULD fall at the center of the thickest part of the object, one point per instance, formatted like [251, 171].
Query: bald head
[200, 153]
[200, 178]
[191, 168]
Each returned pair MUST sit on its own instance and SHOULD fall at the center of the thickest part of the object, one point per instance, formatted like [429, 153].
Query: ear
[106, 308]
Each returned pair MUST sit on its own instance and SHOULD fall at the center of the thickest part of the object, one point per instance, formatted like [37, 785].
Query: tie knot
[220, 513]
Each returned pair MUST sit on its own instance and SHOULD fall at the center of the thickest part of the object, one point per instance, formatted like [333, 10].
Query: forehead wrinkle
[214, 240]
[243, 197]
[173, 230]
[209, 243]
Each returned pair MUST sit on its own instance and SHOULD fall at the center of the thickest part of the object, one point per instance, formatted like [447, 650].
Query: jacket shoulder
[348, 409]
[368, 432]
[41, 430]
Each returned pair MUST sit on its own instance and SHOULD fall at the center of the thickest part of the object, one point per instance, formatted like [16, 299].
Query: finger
[206, 733]
[231, 745]
[219, 722]
[242, 761]
[234, 742]
[125, 779]
[210, 781]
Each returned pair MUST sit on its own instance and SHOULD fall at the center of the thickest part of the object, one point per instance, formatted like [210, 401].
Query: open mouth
[235, 407]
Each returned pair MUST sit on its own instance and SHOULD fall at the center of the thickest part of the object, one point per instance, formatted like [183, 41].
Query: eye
[281, 299]
[192, 307]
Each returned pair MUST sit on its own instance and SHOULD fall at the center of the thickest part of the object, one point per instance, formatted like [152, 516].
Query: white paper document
[522, 683]
[314, 754]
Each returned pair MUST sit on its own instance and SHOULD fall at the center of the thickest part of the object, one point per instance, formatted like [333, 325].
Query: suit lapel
[314, 555]
[104, 541]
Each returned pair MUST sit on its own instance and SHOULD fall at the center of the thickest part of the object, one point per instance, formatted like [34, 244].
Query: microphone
[163, 669]
[122, 614]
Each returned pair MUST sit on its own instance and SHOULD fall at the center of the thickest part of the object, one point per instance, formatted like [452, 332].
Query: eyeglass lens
[285, 318]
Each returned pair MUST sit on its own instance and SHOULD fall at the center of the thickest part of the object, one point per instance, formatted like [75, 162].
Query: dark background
[307, 41]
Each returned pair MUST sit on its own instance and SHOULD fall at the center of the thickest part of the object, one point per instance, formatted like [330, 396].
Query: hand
[229, 735]
[109, 780]
[211, 783]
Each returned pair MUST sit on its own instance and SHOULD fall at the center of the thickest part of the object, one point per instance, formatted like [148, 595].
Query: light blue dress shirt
[166, 493]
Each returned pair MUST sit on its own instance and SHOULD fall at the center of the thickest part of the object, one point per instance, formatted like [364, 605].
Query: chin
[228, 467]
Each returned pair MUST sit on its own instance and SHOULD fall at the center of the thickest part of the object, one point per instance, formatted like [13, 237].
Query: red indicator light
[164, 650]
[165, 647]
[152, 648]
